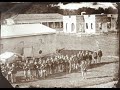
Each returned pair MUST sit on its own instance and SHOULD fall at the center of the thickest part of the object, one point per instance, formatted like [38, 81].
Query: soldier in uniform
[83, 68]
[4, 83]
[53, 66]
[31, 69]
[26, 68]
[90, 58]
[36, 69]
[85, 61]
[56, 65]
[3, 69]
[99, 55]
[70, 65]
[13, 73]
[95, 57]
[67, 64]
[87, 58]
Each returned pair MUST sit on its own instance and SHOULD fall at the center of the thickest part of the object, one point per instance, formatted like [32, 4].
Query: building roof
[8, 31]
[32, 18]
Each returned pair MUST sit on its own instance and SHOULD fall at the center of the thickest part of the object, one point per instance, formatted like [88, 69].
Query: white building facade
[89, 24]
[69, 24]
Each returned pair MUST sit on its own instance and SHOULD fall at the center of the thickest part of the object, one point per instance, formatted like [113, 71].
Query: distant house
[89, 24]
[28, 39]
[52, 20]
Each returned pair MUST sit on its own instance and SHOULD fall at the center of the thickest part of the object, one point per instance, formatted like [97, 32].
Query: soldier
[3, 69]
[26, 68]
[87, 58]
[31, 69]
[8, 71]
[67, 64]
[77, 59]
[53, 66]
[95, 57]
[48, 66]
[70, 65]
[45, 70]
[36, 69]
[56, 64]
[83, 68]
[41, 69]
[50, 63]
[4, 83]
[99, 55]
[13, 73]
[90, 58]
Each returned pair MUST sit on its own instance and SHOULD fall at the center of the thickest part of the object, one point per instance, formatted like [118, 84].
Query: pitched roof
[50, 17]
[8, 31]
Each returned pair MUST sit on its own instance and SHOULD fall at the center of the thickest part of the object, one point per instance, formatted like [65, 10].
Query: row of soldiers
[40, 68]
[61, 63]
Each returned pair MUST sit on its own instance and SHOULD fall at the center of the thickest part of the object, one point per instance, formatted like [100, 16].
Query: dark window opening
[72, 27]
[100, 25]
[66, 26]
[86, 25]
[91, 26]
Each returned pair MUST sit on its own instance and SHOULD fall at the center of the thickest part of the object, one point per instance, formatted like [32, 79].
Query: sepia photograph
[59, 44]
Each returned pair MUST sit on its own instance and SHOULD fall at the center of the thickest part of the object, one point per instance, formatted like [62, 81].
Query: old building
[89, 24]
[28, 39]
[52, 20]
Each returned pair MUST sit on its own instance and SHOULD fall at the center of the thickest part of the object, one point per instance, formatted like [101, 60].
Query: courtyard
[98, 74]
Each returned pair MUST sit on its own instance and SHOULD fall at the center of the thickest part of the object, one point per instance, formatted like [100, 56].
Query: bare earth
[101, 75]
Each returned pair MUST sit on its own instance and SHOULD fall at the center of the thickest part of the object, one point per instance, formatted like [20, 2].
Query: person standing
[100, 54]
[90, 58]
[70, 64]
[4, 83]
[83, 68]
[13, 73]
[95, 57]
[26, 69]
[36, 66]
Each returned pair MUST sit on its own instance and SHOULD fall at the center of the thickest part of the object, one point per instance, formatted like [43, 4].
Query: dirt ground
[96, 75]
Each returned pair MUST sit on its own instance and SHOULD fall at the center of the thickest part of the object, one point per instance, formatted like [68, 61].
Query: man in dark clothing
[4, 83]
[99, 55]
[95, 56]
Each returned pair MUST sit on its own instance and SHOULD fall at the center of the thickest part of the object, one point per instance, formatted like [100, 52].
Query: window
[44, 23]
[86, 25]
[72, 27]
[51, 24]
[100, 25]
[56, 24]
[66, 26]
[61, 25]
[91, 26]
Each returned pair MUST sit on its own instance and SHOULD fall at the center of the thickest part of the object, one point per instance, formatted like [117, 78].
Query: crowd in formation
[40, 68]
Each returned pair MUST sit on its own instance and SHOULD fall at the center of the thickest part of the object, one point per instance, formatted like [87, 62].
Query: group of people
[40, 68]
[9, 71]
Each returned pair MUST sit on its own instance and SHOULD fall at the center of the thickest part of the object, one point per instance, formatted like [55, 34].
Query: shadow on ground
[20, 79]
